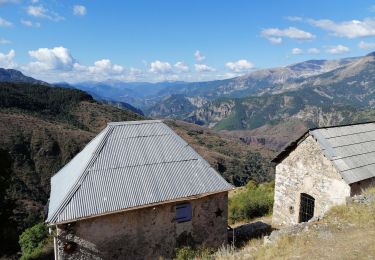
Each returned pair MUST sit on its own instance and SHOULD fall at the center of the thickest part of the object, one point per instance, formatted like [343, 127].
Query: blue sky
[159, 40]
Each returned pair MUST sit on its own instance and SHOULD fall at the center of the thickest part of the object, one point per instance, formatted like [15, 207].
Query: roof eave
[193, 197]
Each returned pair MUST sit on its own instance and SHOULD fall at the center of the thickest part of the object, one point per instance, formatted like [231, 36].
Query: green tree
[33, 241]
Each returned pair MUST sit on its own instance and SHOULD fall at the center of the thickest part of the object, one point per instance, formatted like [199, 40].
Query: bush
[33, 241]
[252, 167]
[254, 201]
[188, 253]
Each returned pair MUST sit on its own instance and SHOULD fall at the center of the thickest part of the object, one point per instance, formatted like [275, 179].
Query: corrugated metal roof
[350, 148]
[130, 164]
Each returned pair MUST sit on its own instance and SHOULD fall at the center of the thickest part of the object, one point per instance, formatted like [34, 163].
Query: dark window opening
[307, 205]
[183, 212]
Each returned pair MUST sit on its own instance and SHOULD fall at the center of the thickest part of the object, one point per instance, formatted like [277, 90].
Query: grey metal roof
[350, 148]
[130, 164]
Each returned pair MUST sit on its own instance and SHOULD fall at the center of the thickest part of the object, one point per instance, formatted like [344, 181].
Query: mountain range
[309, 93]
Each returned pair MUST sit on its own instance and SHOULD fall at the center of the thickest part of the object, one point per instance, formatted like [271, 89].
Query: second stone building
[322, 169]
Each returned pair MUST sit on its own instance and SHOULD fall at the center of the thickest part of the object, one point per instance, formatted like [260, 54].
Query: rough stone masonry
[146, 233]
[306, 170]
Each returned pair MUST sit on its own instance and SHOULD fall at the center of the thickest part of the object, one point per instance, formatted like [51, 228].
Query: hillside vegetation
[237, 162]
[253, 200]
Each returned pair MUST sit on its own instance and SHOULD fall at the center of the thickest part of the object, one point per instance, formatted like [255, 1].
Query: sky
[177, 40]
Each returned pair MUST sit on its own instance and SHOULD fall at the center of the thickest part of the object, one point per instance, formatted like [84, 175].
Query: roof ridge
[140, 122]
[334, 126]
[77, 184]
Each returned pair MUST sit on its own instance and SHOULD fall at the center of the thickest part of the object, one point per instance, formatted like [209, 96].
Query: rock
[266, 240]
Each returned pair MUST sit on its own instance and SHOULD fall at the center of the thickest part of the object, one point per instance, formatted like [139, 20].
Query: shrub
[254, 201]
[188, 253]
[33, 241]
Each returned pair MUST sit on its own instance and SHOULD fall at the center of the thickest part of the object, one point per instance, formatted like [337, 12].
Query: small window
[183, 212]
[307, 206]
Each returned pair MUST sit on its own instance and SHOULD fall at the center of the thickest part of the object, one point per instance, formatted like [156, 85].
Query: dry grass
[346, 232]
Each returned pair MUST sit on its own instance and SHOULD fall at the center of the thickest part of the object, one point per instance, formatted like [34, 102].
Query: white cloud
[134, 74]
[275, 35]
[160, 67]
[58, 64]
[58, 58]
[203, 68]
[79, 10]
[199, 56]
[275, 40]
[348, 29]
[41, 12]
[5, 23]
[296, 51]
[4, 41]
[294, 18]
[338, 49]
[366, 45]
[106, 67]
[240, 65]
[29, 23]
[181, 67]
[6, 59]
[313, 51]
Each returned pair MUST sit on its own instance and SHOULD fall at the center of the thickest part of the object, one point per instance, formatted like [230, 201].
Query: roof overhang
[194, 197]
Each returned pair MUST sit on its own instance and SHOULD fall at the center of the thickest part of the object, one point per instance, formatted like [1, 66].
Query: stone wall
[306, 170]
[147, 233]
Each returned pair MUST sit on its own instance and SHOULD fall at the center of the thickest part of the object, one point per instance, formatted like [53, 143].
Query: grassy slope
[346, 232]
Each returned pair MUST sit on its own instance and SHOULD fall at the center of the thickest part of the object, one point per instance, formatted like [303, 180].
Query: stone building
[136, 191]
[321, 169]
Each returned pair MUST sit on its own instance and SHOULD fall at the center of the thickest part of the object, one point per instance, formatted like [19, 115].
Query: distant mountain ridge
[265, 96]
[148, 95]
[332, 93]
[15, 76]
